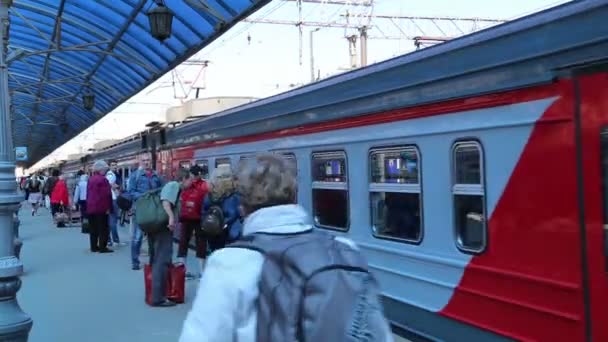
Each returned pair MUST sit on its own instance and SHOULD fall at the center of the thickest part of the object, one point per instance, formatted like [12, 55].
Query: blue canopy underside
[102, 45]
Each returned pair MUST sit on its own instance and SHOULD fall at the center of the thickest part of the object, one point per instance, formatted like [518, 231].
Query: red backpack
[192, 200]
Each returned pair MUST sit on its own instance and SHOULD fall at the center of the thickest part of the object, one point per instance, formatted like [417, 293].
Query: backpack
[212, 223]
[150, 215]
[315, 288]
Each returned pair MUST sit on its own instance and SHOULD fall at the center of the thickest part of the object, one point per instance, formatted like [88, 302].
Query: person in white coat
[225, 305]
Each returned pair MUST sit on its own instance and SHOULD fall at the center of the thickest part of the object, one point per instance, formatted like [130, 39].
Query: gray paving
[75, 295]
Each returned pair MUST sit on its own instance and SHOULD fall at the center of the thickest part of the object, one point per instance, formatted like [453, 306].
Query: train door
[591, 120]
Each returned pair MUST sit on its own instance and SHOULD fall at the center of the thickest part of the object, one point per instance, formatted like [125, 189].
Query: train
[472, 174]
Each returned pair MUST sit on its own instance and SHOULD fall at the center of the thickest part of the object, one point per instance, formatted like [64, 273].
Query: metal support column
[363, 32]
[15, 325]
[312, 55]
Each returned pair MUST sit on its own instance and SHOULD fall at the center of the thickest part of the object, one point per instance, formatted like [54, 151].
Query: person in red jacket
[191, 200]
[99, 205]
[59, 199]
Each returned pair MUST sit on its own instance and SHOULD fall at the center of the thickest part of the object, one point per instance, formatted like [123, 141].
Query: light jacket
[139, 183]
[225, 305]
[80, 193]
[111, 176]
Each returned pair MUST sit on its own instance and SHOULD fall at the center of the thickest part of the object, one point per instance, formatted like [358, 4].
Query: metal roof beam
[111, 46]
[204, 5]
[60, 80]
[44, 75]
[30, 25]
[11, 76]
[76, 49]
[28, 52]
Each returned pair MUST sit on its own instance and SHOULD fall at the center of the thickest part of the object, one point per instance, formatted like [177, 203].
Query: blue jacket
[139, 184]
[232, 215]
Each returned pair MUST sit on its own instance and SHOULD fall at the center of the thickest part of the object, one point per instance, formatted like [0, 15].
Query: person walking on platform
[283, 280]
[34, 185]
[80, 194]
[162, 241]
[190, 218]
[59, 199]
[99, 205]
[140, 182]
[113, 178]
[47, 188]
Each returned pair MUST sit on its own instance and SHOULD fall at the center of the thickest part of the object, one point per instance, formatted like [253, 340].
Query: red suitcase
[176, 283]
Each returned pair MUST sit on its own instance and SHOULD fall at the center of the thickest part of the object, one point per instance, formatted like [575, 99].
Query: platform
[75, 295]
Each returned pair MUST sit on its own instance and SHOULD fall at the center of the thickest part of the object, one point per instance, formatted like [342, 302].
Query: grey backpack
[315, 288]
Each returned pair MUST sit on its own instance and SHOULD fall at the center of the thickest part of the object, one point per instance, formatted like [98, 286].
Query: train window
[184, 165]
[204, 164]
[330, 190]
[395, 193]
[220, 161]
[468, 192]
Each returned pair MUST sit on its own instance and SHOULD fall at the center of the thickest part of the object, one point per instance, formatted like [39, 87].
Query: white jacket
[80, 192]
[111, 177]
[225, 305]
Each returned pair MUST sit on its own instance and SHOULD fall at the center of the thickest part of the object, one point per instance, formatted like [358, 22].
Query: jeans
[136, 239]
[113, 223]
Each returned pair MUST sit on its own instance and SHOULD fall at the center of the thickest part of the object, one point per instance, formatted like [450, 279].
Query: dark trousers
[160, 259]
[99, 232]
[82, 206]
[190, 227]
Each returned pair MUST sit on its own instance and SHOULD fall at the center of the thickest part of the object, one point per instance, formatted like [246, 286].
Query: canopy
[60, 50]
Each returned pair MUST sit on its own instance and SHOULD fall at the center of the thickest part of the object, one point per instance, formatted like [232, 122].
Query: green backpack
[149, 213]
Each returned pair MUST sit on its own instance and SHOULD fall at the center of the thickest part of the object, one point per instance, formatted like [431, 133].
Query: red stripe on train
[533, 232]
[479, 102]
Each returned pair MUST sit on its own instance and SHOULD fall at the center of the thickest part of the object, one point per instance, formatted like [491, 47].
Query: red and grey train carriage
[472, 174]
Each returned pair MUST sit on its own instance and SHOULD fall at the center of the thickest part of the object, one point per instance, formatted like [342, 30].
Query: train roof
[524, 52]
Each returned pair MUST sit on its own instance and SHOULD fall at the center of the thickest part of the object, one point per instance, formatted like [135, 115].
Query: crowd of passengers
[269, 276]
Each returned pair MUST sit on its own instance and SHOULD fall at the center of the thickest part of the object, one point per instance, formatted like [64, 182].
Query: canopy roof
[61, 49]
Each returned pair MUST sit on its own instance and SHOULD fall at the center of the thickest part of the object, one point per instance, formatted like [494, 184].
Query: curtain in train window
[330, 190]
[468, 193]
[221, 161]
[244, 158]
[395, 193]
[291, 160]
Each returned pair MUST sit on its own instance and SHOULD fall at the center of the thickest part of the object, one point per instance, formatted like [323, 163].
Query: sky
[260, 60]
